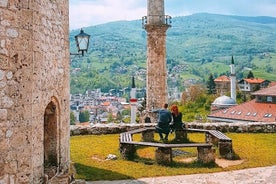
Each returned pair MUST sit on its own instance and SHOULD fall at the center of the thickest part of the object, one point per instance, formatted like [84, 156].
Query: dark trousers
[161, 131]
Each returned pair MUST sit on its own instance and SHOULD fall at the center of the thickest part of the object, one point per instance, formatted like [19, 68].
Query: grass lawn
[88, 153]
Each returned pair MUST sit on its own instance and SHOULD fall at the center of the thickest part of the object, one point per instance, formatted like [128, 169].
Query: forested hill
[203, 43]
[208, 36]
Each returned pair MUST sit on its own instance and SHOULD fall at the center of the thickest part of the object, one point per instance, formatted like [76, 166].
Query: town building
[252, 84]
[222, 85]
[260, 109]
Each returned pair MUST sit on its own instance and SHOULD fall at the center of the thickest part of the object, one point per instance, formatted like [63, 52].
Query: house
[222, 84]
[261, 109]
[252, 84]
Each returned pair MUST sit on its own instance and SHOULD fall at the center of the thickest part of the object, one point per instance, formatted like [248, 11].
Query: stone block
[3, 114]
[163, 156]
[206, 154]
[225, 149]
[127, 151]
[180, 135]
[211, 139]
[148, 136]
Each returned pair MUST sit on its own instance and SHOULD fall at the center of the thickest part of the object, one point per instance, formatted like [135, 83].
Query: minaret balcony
[156, 20]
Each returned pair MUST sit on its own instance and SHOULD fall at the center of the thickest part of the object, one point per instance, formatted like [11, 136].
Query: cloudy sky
[85, 13]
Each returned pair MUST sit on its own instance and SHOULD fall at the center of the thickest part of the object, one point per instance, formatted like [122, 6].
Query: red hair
[174, 109]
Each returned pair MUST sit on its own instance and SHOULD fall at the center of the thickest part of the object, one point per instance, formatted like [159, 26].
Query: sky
[84, 13]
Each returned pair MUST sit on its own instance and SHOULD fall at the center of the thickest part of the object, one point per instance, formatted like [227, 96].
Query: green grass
[262, 63]
[88, 154]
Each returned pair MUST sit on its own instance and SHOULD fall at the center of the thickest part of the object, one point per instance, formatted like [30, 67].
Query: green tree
[143, 105]
[196, 104]
[126, 112]
[211, 85]
[268, 68]
[72, 118]
[84, 116]
[250, 75]
[110, 117]
[119, 116]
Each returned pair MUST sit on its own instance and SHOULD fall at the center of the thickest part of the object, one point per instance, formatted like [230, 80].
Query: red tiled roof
[83, 124]
[271, 91]
[254, 80]
[272, 83]
[222, 78]
[106, 103]
[248, 111]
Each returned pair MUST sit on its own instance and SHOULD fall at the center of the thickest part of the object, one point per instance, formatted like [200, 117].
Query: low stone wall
[98, 129]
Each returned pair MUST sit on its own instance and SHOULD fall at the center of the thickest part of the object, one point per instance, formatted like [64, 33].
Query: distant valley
[197, 46]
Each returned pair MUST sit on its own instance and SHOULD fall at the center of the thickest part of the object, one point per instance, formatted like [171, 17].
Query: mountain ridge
[201, 42]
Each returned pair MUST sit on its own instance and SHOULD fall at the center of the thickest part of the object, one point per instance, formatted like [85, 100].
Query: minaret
[133, 102]
[156, 23]
[233, 80]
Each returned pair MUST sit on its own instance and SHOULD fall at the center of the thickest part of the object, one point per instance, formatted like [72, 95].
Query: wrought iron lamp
[82, 42]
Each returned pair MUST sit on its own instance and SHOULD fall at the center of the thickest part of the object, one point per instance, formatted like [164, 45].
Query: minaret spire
[133, 82]
[233, 79]
[133, 102]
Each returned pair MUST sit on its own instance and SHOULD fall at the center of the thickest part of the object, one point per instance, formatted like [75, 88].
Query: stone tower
[34, 91]
[156, 23]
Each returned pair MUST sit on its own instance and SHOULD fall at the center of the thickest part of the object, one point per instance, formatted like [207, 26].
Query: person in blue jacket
[163, 122]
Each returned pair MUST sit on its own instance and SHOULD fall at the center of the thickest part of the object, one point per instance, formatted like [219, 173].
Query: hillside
[201, 44]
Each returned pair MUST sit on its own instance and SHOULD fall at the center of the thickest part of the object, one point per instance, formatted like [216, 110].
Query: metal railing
[156, 20]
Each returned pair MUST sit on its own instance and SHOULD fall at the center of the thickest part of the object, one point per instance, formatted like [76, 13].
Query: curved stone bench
[163, 153]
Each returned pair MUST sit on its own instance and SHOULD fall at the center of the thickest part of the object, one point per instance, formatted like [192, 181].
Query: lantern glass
[82, 41]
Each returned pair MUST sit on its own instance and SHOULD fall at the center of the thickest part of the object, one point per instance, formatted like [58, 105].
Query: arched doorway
[51, 137]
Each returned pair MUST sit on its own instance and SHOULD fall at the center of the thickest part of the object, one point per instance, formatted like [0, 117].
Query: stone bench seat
[219, 139]
[163, 154]
[164, 145]
[219, 135]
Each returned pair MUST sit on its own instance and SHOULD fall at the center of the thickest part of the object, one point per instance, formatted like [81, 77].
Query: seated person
[177, 119]
[163, 122]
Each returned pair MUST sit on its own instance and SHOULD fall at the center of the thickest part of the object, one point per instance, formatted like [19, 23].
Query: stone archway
[51, 138]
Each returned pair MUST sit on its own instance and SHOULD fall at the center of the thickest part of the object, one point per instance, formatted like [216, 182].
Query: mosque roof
[248, 111]
[224, 101]
[252, 111]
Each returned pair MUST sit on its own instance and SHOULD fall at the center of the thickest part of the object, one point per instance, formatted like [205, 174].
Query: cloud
[228, 7]
[85, 13]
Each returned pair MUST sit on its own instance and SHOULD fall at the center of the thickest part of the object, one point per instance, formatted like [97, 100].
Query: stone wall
[34, 72]
[223, 127]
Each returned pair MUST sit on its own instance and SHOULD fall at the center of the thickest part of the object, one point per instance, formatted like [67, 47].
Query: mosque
[260, 109]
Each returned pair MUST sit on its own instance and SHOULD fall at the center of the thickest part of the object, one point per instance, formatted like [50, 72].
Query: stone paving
[260, 175]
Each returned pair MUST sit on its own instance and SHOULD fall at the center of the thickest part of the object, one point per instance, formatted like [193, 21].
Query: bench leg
[206, 154]
[181, 136]
[226, 150]
[127, 151]
[211, 139]
[148, 136]
[163, 156]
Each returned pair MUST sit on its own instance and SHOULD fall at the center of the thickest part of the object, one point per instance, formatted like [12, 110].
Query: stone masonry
[156, 28]
[34, 91]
